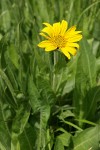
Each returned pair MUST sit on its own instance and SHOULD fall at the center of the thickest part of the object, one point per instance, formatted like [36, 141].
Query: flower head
[58, 37]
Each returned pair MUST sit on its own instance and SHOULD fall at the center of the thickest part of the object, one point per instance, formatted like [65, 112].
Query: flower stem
[55, 57]
[55, 62]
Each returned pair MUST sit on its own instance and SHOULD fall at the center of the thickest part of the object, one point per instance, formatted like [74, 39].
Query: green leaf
[85, 79]
[86, 121]
[65, 76]
[66, 113]
[58, 145]
[73, 125]
[42, 8]
[0, 36]
[5, 19]
[9, 85]
[92, 97]
[21, 118]
[14, 57]
[2, 147]
[28, 138]
[46, 93]
[12, 76]
[5, 136]
[65, 138]
[42, 64]
[42, 132]
[19, 123]
[96, 45]
[89, 138]
[34, 96]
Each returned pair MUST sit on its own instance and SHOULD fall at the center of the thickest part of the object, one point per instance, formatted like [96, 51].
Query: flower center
[59, 41]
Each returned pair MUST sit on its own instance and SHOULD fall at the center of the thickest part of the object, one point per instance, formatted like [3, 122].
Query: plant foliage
[47, 104]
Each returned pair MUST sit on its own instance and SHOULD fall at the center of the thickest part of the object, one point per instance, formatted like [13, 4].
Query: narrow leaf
[85, 79]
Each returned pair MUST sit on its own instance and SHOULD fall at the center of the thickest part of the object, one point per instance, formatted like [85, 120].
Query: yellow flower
[58, 38]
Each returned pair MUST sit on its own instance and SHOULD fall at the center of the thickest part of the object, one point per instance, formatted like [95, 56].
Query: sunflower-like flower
[58, 37]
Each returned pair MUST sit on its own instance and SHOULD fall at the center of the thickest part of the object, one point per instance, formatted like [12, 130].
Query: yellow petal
[56, 28]
[75, 38]
[77, 32]
[72, 29]
[72, 45]
[48, 30]
[50, 48]
[42, 34]
[64, 26]
[71, 32]
[44, 44]
[47, 24]
[71, 50]
[64, 50]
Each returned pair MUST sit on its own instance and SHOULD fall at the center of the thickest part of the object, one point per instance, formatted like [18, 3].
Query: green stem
[55, 62]
[55, 57]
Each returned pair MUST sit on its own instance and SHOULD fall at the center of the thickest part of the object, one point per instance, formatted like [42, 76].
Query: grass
[47, 104]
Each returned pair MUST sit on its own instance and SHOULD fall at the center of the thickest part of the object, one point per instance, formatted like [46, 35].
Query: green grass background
[46, 101]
